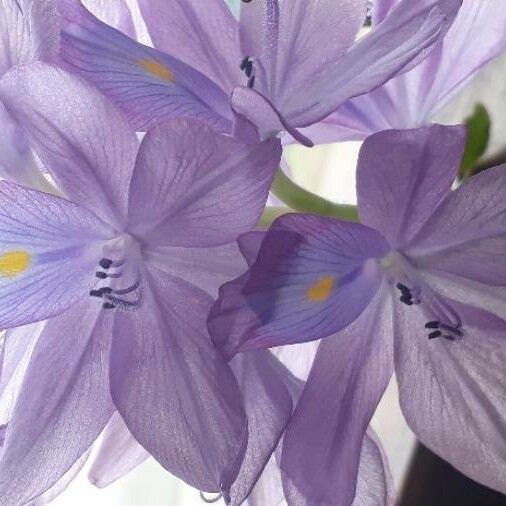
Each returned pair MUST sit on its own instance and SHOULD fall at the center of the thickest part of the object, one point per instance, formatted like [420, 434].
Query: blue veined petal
[313, 276]
[149, 85]
[49, 251]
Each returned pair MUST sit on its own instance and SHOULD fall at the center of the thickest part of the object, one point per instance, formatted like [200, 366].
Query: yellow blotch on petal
[156, 69]
[321, 290]
[13, 263]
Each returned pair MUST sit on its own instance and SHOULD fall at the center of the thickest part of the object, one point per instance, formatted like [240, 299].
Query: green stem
[305, 201]
[272, 213]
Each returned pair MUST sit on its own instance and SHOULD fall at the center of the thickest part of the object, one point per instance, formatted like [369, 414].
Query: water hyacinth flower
[413, 99]
[29, 32]
[120, 272]
[285, 65]
[419, 287]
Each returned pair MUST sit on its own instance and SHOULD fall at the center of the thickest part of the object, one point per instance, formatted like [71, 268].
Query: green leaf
[478, 134]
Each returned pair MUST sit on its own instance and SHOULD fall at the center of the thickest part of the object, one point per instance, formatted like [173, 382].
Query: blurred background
[329, 170]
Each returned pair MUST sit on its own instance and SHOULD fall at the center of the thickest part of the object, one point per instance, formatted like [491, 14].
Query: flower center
[442, 319]
[120, 275]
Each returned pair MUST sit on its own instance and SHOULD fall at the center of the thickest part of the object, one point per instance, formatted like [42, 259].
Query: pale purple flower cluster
[139, 296]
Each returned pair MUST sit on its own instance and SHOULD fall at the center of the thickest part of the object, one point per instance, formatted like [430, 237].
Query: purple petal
[18, 345]
[61, 485]
[485, 296]
[177, 396]
[29, 32]
[311, 279]
[193, 187]
[49, 250]
[322, 444]
[204, 35]
[381, 8]
[374, 481]
[62, 407]
[452, 392]
[466, 235]
[266, 387]
[118, 454]
[403, 175]
[263, 114]
[412, 99]
[474, 212]
[206, 268]
[149, 85]
[82, 140]
[16, 159]
[445, 72]
[291, 41]
[395, 45]
[112, 12]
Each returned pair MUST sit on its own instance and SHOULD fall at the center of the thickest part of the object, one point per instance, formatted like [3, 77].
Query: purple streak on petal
[266, 387]
[206, 268]
[193, 187]
[112, 12]
[290, 41]
[62, 407]
[263, 114]
[16, 159]
[395, 45]
[29, 31]
[311, 279]
[191, 417]
[204, 35]
[403, 175]
[322, 444]
[83, 141]
[474, 212]
[452, 393]
[150, 86]
[49, 250]
[61, 485]
[118, 454]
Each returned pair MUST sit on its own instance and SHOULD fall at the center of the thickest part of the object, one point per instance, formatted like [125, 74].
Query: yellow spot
[156, 69]
[13, 263]
[320, 291]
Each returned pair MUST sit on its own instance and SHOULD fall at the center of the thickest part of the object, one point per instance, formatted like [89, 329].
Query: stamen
[210, 500]
[105, 263]
[406, 300]
[105, 275]
[130, 289]
[244, 63]
[251, 82]
[126, 304]
[452, 332]
[100, 292]
[108, 305]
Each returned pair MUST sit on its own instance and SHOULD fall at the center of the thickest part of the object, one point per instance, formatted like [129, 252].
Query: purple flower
[420, 286]
[122, 272]
[413, 99]
[29, 32]
[286, 65]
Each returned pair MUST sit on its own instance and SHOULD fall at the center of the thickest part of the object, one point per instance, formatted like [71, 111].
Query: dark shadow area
[433, 482]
